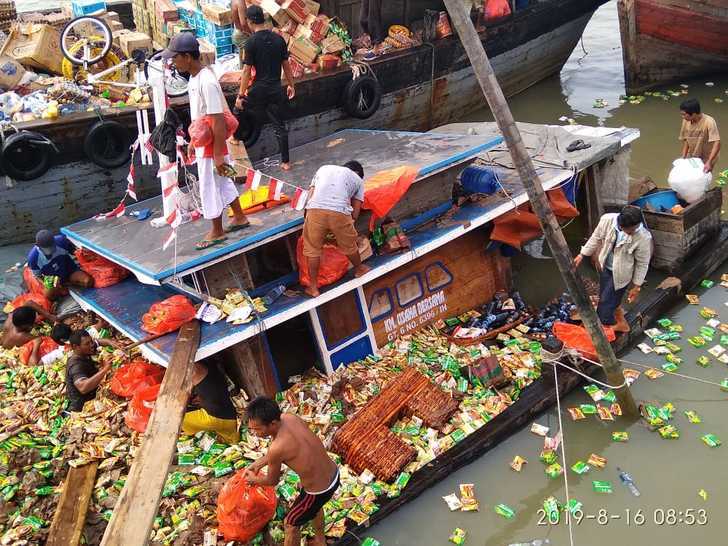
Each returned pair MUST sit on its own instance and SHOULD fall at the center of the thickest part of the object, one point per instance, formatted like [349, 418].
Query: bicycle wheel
[79, 74]
[86, 40]
[175, 83]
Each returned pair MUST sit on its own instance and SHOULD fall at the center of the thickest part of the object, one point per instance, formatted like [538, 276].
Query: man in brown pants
[370, 20]
[334, 203]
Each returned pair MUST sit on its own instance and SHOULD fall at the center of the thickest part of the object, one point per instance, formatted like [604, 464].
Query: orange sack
[244, 509]
[168, 315]
[576, 337]
[38, 299]
[334, 265]
[104, 272]
[134, 376]
[140, 408]
[47, 345]
[384, 189]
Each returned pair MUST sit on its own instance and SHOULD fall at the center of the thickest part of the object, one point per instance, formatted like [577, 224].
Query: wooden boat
[422, 87]
[668, 41]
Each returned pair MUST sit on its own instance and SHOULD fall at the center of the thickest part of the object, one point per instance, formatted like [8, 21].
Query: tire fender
[107, 144]
[26, 155]
[362, 96]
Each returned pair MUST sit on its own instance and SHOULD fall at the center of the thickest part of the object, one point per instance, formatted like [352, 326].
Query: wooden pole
[531, 182]
[70, 516]
[133, 517]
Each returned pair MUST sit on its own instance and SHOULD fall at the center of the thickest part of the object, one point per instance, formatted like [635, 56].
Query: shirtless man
[300, 449]
[17, 327]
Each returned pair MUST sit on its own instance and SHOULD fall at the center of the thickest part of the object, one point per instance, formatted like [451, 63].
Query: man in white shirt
[217, 190]
[334, 203]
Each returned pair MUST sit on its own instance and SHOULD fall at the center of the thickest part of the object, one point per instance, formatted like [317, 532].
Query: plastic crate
[86, 7]
[224, 50]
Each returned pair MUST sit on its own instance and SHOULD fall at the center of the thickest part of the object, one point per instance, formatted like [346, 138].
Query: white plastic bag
[688, 179]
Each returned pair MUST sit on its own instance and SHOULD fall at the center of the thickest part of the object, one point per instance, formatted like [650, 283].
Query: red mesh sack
[244, 509]
[134, 376]
[104, 272]
[576, 337]
[32, 282]
[334, 265]
[47, 345]
[36, 298]
[495, 9]
[200, 130]
[140, 408]
[168, 315]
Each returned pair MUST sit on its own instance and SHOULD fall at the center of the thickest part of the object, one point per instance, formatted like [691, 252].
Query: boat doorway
[293, 349]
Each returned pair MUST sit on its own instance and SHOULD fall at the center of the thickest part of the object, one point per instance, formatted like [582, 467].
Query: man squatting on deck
[699, 134]
[217, 190]
[624, 248]
[334, 202]
[300, 450]
[52, 256]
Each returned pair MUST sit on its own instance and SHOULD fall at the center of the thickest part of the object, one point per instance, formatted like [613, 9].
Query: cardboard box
[208, 52]
[276, 12]
[130, 41]
[302, 31]
[11, 72]
[313, 7]
[38, 46]
[332, 44]
[165, 10]
[115, 25]
[219, 15]
[296, 10]
[118, 34]
[303, 50]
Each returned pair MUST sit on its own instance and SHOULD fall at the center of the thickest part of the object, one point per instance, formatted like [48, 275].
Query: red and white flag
[130, 186]
[299, 199]
[256, 180]
[249, 178]
[275, 189]
[118, 212]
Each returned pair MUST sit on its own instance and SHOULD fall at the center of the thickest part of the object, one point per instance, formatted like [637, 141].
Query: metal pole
[531, 182]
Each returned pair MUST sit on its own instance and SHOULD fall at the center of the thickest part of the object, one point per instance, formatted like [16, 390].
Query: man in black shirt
[216, 413]
[82, 376]
[267, 52]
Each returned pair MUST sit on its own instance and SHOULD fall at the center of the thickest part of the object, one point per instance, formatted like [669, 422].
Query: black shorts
[307, 505]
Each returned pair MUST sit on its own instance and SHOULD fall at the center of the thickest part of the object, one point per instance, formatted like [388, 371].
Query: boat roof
[137, 246]
[123, 305]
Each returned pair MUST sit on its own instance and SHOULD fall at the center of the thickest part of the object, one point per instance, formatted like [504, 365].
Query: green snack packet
[588, 409]
[707, 283]
[708, 331]
[669, 432]
[711, 440]
[35, 522]
[463, 384]
[217, 449]
[369, 541]
[703, 361]
[106, 514]
[221, 468]
[554, 470]
[574, 506]
[337, 417]
[692, 416]
[505, 511]
[402, 480]
[676, 328]
[287, 491]
[610, 397]
[674, 348]
[664, 322]
[673, 359]
[45, 491]
[458, 435]
[620, 436]
[551, 509]
[292, 478]
[454, 321]
[669, 367]
[548, 457]
[206, 459]
[602, 486]
[534, 347]
[458, 536]
[724, 340]
[186, 459]
[580, 467]
[672, 336]
[724, 385]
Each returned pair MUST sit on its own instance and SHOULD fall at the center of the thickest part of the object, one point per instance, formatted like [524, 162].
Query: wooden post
[133, 517]
[531, 182]
[70, 516]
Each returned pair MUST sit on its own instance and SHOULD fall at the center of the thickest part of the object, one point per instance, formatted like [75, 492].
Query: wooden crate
[677, 236]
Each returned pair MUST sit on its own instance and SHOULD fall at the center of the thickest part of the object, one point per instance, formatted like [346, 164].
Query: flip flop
[237, 227]
[207, 243]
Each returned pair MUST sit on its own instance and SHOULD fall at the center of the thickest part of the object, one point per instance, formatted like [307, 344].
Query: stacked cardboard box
[7, 14]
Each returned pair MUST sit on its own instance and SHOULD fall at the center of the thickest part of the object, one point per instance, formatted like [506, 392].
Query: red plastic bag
[38, 299]
[104, 272]
[200, 130]
[495, 9]
[168, 315]
[576, 337]
[134, 376]
[140, 408]
[47, 345]
[33, 283]
[243, 509]
[383, 190]
[334, 265]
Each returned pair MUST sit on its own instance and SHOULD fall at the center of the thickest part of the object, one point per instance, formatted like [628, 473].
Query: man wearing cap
[217, 190]
[267, 52]
[51, 259]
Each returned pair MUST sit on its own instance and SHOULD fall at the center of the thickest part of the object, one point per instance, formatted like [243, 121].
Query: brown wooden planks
[70, 516]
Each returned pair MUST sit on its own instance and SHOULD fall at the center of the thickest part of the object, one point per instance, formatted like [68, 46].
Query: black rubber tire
[107, 144]
[249, 128]
[95, 20]
[366, 87]
[23, 159]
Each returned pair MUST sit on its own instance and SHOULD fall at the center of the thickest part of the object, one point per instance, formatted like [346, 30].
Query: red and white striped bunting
[276, 188]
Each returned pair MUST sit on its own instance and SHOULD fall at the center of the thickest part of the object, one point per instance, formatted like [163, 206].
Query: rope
[555, 360]
[563, 452]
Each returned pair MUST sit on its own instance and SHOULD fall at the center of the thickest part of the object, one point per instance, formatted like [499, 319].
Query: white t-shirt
[335, 188]
[206, 96]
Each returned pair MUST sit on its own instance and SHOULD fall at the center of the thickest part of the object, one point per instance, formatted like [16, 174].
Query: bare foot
[312, 291]
[362, 270]
[286, 166]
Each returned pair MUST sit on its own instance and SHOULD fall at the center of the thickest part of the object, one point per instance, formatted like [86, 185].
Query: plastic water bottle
[629, 482]
[536, 542]
[274, 294]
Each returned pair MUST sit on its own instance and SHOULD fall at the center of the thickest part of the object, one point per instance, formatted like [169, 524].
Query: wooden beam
[70, 517]
[133, 517]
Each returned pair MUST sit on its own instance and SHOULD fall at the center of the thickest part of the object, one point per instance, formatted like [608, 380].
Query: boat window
[380, 305]
[341, 319]
[437, 276]
[409, 289]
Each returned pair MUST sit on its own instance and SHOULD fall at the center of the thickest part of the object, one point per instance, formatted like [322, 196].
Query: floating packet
[517, 463]
[713, 323]
[580, 467]
[646, 349]
[672, 336]
[504, 510]
[605, 414]
[707, 283]
[662, 350]
[669, 367]
[669, 432]
[673, 359]
[597, 461]
[402, 480]
[458, 536]
[369, 541]
[674, 348]
[707, 331]
[630, 375]
[574, 506]
[676, 328]
[595, 392]
[539, 430]
[554, 470]
[551, 509]
[697, 341]
[708, 313]
[664, 322]
[588, 409]
[711, 440]
[453, 502]
[653, 373]
[602, 486]
[616, 409]
[576, 414]
[723, 358]
[692, 416]
[724, 340]
[609, 396]
[703, 361]
[692, 299]
[552, 443]
[548, 457]
[620, 436]
[652, 333]
[716, 351]
[467, 497]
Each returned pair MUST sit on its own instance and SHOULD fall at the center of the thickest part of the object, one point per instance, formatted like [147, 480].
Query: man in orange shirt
[699, 134]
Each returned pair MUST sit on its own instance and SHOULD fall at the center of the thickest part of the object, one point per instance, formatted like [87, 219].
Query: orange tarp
[384, 189]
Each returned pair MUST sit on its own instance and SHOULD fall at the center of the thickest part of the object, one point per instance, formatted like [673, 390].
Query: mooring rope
[554, 358]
